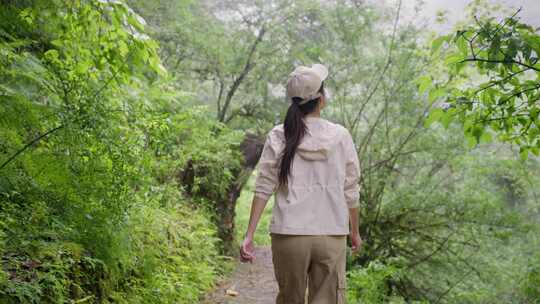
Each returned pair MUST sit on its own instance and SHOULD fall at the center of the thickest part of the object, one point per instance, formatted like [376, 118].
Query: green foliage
[531, 283]
[164, 263]
[174, 255]
[94, 142]
[370, 284]
[492, 83]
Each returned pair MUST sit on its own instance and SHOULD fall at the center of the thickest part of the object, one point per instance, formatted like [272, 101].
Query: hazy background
[455, 11]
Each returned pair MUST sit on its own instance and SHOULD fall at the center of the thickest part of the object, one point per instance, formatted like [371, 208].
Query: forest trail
[255, 283]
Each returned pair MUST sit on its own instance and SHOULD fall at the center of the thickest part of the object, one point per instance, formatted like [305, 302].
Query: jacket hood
[320, 139]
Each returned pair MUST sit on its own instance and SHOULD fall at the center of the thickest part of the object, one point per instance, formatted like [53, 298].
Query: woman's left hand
[247, 250]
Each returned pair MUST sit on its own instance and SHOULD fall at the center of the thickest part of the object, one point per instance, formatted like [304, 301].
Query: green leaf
[471, 141]
[137, 21]
[434, 94]
[424, 83]
[437, 43]
[434, 115]
[27, 15]
[123, 48]
[156, 65]
[477, 132]
[533, 133]
[462, 45]
[51, 55]
[453, 59]
[82, 67]
[486, 137]
[523, 152]
[447, 118]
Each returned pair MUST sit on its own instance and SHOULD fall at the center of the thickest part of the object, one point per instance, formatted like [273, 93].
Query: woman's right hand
[247, 250]
[356, 242]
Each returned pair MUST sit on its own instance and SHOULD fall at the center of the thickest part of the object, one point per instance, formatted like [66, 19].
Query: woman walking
[312, 166]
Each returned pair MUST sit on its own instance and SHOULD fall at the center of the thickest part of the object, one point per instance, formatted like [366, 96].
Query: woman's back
[315, 201]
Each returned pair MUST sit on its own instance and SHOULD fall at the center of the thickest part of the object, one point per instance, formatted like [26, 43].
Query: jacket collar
[312, 118]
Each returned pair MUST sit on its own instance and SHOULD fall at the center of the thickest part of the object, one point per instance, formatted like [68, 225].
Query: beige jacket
[323, 183]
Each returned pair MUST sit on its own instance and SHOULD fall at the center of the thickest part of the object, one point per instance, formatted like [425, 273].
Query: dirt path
[254, 283]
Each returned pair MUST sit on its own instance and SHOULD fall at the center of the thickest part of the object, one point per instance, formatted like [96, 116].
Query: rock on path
[255, 283]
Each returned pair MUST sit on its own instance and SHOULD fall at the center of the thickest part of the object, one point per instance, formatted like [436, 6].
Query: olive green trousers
[315, 262]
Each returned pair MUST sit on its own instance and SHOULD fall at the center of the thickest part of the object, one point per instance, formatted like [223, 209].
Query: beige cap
[304, 82]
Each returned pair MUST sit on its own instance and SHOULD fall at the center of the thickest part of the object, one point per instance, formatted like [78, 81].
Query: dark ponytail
[294, 129]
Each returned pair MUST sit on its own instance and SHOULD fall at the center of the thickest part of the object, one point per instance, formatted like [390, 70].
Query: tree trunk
[251, 149]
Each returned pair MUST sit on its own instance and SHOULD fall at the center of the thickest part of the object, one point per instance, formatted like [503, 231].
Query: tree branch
[29, 144]
[501, 61]
[385, 69]
[247, 68]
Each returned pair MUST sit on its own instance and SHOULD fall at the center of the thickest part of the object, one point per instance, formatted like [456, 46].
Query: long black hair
[295, 129]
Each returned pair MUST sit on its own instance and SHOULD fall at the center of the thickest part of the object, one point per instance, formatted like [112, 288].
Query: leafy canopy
[492, 83]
